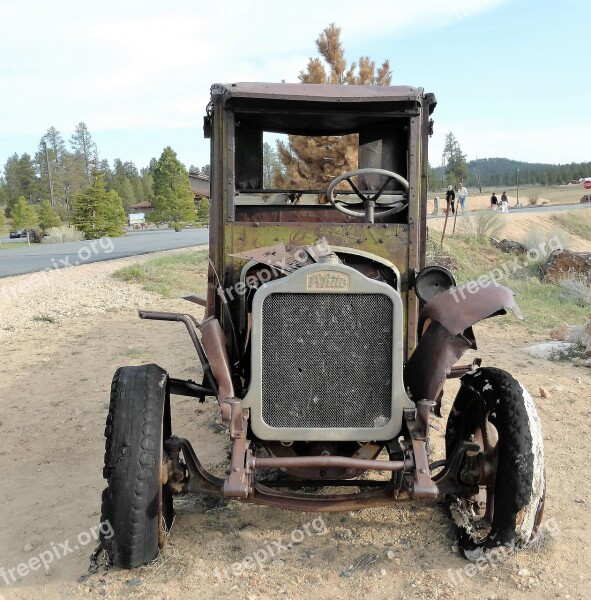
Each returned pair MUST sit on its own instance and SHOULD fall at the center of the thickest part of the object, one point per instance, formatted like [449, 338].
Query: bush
[57, 235]
[575, 290]
[484, 224]
[538, 238]
[533, 198]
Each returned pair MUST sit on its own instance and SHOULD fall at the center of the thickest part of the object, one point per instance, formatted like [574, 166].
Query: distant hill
[502, 172]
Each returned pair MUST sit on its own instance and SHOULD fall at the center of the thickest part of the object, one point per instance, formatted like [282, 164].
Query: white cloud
[130, 64]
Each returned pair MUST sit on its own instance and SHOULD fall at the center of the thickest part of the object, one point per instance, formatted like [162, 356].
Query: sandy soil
[519, 222]
[55, 386]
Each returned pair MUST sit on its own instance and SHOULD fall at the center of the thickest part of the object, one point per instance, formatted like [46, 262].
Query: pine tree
[20, 179]
[456, 170]
[315, 161]
[271, 164]
[99, 212]
[47, 217]
[84, 148]
[173, 200]
[23, 216]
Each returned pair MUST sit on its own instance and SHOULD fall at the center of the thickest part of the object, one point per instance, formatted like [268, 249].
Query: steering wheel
[369, 202]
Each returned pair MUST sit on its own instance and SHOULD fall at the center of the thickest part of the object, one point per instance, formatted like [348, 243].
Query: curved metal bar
[302, 462]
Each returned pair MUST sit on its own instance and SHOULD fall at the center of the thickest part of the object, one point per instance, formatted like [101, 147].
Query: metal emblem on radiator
[328, 280]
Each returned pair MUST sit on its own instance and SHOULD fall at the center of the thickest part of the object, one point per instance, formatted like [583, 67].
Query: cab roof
[318, 92]
[319, 109]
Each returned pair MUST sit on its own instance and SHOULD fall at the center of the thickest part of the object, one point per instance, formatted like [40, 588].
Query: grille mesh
[327, 360]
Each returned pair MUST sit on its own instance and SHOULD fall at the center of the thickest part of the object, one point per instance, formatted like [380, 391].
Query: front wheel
[136, 507]
[494, 411]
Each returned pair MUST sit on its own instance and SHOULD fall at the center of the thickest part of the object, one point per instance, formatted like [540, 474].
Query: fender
[459, 308]
[445, 333]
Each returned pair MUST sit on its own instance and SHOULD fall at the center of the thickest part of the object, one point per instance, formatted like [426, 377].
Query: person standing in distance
[450, 198]
[493, 201]
[462, 195]
[504, 203]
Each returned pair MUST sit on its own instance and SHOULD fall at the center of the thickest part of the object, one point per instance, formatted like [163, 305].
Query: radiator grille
[327, 360]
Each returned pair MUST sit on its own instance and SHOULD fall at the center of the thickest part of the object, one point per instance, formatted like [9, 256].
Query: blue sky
[510, 76]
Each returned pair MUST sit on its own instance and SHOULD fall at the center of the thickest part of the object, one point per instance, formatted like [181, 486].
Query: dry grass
[169, 276]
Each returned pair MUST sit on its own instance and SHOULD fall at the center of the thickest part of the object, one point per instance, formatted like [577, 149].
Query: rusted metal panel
[431, 362]
[414, 231]
[459, 308]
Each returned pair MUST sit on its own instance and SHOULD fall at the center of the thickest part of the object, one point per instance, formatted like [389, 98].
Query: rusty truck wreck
[327, 341]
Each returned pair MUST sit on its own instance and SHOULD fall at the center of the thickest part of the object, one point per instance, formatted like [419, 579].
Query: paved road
[25, 259]
[524, 211]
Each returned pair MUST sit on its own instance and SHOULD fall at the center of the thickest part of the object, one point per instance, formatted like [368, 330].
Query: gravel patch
[35, 300]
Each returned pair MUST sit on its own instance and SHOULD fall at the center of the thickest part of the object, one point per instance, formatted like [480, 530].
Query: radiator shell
[326, 358]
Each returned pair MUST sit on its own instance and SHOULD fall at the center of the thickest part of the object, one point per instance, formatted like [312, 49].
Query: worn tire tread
[137, 409]
[503, 396]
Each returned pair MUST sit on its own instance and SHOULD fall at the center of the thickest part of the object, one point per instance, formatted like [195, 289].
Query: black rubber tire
[135, 506]
[520, 484]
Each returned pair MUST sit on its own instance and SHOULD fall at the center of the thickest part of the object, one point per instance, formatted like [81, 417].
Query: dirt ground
[55, 381]
[519, 223]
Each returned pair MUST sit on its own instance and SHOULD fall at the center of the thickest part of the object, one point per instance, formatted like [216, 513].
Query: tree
[23, 216]
[21, 179]
[47, 217]
[84, 148]
[203, 212]
[318, 160]
[173, 200]
[98, 212]
[456, 170]
[271, 164]
[50, 162]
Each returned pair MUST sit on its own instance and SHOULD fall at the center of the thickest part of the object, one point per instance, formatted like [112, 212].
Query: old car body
[327, 340]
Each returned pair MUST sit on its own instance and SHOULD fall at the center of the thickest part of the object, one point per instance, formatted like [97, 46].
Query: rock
[391, 555]
[585, 199]
[509, 245]
[553, 350]
[134, 582]
[383, 572]
[455, 549]
[581, 362]
[278, 562]
[332, 578]
[560, 332]
[564, 264]
[27, 547]
[581, 335]
[345, 534]
[397, 561]
[544, 393]
[347, 574]
[523, 572]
